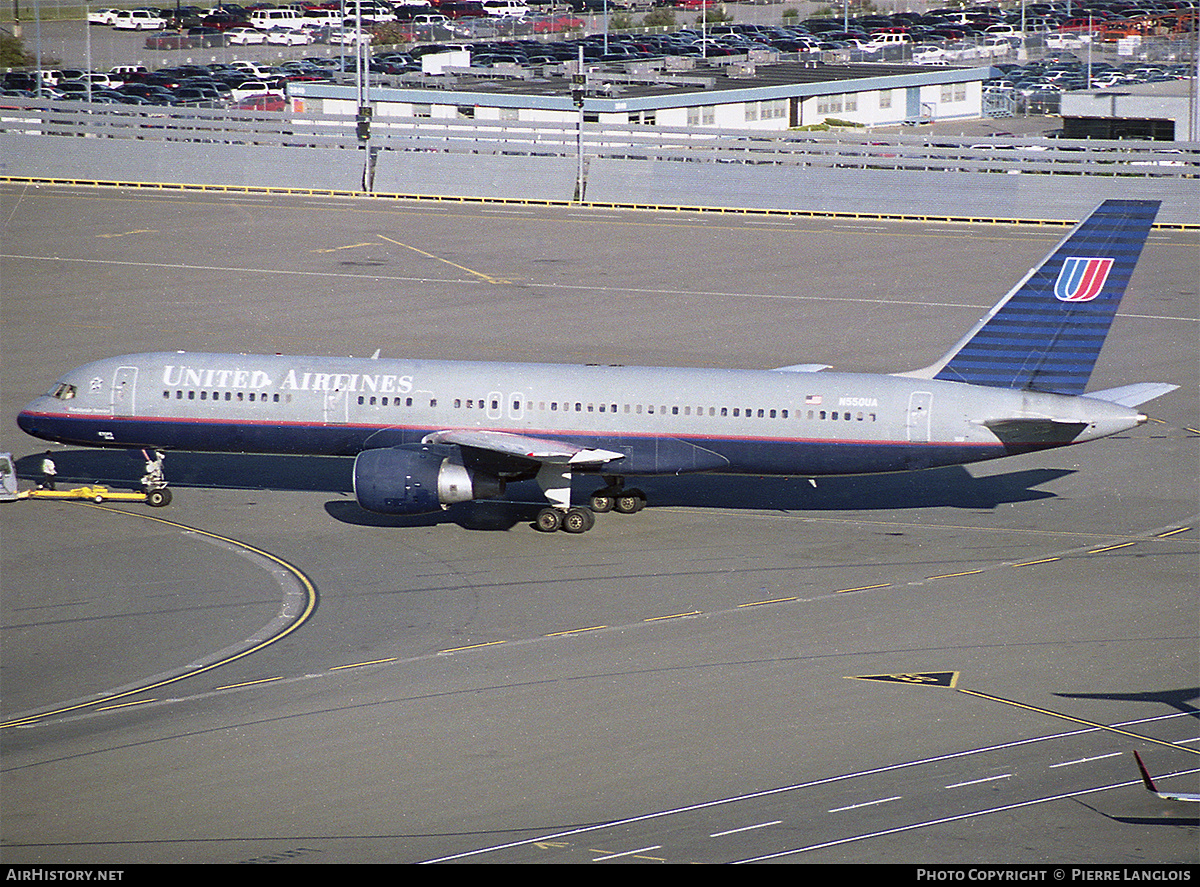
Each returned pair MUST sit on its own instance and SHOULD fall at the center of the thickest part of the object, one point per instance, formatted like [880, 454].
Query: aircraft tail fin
[1046, 333]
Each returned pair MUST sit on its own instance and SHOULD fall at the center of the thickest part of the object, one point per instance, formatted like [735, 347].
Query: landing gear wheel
[158, 498]
[578, 520]
[602, 501]
[548, 520]
[630, 501]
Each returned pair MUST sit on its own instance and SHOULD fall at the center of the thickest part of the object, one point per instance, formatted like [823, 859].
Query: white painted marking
[627, 853]
[1116, 754]
[979, 781]
[867, 804]
[745, 828]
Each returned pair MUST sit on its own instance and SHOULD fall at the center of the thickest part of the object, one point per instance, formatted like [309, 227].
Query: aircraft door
[337, 406]
[123, 389]
[920, 405]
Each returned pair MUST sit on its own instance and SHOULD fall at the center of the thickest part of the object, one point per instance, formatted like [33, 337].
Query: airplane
[1166, 796]
[428, 434]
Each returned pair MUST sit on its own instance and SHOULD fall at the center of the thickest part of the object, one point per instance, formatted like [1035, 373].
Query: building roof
[649, 85]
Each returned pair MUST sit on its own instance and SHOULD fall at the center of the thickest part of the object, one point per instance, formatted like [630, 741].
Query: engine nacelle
[417, 480]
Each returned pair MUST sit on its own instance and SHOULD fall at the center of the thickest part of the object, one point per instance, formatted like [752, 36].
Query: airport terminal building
[678, 93]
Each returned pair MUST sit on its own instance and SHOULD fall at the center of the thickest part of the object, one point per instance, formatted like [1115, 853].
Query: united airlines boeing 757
[427, 434]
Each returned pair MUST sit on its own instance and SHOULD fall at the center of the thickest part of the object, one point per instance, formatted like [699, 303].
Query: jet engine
[418, 480]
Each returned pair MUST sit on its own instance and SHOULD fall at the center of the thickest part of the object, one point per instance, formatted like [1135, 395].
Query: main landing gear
[576, 519]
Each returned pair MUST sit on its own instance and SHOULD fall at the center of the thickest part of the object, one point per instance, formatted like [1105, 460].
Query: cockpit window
[63, 391]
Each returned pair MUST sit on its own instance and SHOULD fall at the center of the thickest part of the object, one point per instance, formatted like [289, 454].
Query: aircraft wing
[803, 368]
[537, 449]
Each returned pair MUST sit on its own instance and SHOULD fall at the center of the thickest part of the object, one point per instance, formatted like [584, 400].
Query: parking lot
[197, 54]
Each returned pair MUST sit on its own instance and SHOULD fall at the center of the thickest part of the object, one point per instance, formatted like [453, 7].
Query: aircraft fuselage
[662, 420]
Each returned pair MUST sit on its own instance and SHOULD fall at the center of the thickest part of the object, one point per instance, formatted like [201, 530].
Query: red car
[554, 24]
[267, 101]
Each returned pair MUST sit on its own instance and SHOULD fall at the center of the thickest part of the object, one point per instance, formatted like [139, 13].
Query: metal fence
[626, 165]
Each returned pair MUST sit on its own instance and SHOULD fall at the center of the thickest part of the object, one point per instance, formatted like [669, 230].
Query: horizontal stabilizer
[1133, 395]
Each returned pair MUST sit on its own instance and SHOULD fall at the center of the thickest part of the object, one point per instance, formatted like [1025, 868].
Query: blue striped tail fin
[1046, 334]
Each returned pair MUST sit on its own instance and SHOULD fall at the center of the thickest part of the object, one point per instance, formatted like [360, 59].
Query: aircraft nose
[27, 419]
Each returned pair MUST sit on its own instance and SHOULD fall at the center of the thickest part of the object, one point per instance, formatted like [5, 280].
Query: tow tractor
[155, 491]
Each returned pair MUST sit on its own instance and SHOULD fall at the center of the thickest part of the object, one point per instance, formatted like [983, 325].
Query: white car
[138, 20]
[102, 16]
[285, 37]
[245, 36]
[346, 36]
[248, 88]
[506, 8]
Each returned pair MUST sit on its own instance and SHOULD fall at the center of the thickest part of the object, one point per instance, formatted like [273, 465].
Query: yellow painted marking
[127, 233]
[305, 582]
[675, 616]
[472, 647]
[250, 683]
[869, 587]
[1073, 719]
[939, 679]
[559, 634]
[422, 252]
[334, 249]
[125, 704]
[1045, 560]
[778, 600]
[1112, 547]
[1172, 532]
[934, 678]
[952, 575]
[361, 664]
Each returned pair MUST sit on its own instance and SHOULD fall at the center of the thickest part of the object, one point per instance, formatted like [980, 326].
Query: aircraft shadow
[1182, 699]
[951, 487]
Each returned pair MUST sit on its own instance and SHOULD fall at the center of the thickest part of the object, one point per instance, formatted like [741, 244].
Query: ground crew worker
[49, 472]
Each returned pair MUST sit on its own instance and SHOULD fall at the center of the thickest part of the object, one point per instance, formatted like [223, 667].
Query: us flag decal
[1081, 279]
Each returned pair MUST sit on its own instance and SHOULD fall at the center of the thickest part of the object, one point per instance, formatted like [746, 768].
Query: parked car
[246, 88]
[169, 41]
[346, 36]
[286, 37]
[138, 20]
[102, 16]
[244, 36]
[271, 19]
[267, 101]
[206, 36]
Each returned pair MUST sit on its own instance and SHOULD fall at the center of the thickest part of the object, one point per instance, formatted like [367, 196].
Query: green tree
[13, 54]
